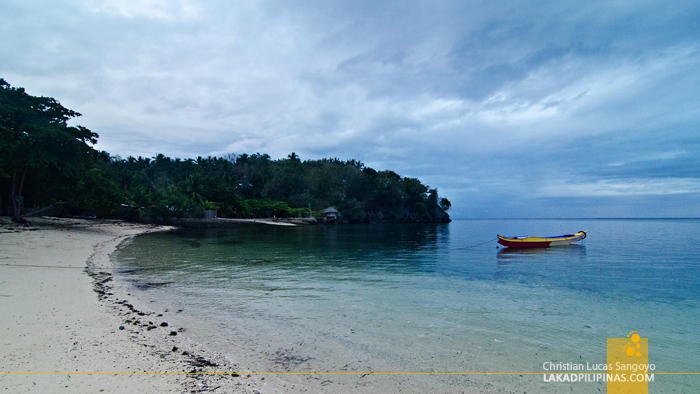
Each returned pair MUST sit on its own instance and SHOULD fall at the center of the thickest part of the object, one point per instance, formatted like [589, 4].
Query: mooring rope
[473, 246]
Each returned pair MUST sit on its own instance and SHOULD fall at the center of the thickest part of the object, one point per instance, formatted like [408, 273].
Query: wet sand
[64, 328]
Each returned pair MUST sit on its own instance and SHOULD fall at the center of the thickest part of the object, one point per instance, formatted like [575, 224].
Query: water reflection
[524, 255]
[388, 236]
[390, 247]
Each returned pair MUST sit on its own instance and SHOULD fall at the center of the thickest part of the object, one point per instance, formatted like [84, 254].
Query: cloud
[623, 187]
[499, 104]
[151, 9]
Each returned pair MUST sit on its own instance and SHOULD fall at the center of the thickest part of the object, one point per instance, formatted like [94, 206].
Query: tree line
[47, 165]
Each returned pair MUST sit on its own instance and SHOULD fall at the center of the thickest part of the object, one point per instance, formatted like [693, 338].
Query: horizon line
[586, 218]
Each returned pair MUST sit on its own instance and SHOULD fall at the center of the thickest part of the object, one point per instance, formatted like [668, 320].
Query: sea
[428, 307]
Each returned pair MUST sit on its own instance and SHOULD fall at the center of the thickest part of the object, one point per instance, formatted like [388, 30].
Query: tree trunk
[21, 182]
[17, 192]
[12, 192]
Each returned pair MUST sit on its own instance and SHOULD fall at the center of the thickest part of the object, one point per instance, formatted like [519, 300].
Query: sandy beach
[66, 329]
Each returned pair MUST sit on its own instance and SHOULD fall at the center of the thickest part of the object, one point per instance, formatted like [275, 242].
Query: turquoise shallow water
[428, 298]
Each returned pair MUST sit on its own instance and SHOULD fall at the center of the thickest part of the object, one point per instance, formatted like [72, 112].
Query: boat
[541, 242]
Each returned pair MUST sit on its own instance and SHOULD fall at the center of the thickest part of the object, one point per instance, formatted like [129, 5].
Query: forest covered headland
[49, 167]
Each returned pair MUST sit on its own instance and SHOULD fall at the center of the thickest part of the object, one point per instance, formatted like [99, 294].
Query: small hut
[332, 214]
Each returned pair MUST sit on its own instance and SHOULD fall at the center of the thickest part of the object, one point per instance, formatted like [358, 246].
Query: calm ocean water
[428, 298]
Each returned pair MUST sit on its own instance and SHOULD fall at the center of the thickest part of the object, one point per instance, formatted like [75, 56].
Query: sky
[512, 109]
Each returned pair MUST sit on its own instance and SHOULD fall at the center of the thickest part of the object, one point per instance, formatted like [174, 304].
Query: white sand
[55, 329]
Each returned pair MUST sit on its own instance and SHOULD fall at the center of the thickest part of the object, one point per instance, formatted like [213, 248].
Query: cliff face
[431, 213]
[438, 214]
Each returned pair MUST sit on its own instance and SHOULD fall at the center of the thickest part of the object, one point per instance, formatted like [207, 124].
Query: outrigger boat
[541, 242]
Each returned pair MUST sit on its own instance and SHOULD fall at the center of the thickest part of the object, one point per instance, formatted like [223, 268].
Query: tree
[39, 151]
[351, 209]
[101, 194]
[445, 204]
[433, 196]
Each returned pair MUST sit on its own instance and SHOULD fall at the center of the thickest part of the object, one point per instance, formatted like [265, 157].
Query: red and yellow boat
[541, 242]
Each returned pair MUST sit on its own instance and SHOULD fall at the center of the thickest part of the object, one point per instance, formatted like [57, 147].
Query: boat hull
[541, 242]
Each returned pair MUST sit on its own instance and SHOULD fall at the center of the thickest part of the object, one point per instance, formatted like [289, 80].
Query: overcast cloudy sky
[509, 108]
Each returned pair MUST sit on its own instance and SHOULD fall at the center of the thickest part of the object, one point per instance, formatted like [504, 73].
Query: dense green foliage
[41, 157]
[257, 186]
[44, 162]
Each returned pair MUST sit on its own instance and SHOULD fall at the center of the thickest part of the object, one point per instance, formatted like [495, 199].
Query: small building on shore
[332, 214]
